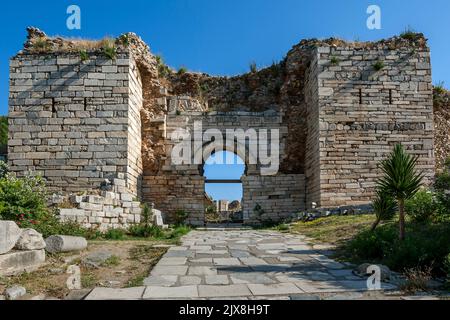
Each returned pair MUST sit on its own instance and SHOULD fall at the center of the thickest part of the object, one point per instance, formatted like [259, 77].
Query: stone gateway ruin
[95, 119]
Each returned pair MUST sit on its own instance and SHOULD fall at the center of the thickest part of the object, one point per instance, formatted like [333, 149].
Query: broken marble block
[158, 219]
[30, 239]
[16, 262]
[9, 234]
[59, 243]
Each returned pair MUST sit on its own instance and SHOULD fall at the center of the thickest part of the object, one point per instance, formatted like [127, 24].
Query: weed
[41, 44]
[378, 65]
[181, 71]
[253, 67]
[114, 234]
[408, 34]
[334, 61]
[88, 280]
[417, 279]
[84, 55]
[109, 48]
[111, 261]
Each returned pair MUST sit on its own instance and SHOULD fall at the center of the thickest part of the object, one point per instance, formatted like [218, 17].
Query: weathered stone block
[9, 234]
[57, 244]
[17, 262]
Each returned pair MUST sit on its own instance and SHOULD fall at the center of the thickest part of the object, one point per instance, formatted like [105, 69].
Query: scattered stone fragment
[30, 239]
[363, 270]
[9, 234]
[96, 259]
[77, 294]
[56, 244]
[16, 262]
[15, 292]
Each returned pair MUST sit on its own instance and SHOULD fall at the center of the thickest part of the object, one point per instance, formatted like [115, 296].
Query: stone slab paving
[244, 264]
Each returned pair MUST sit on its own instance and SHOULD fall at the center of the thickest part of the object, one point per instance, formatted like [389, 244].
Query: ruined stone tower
[82, 112]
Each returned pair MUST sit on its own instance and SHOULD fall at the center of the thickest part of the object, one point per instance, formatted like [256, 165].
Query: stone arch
[210, 147]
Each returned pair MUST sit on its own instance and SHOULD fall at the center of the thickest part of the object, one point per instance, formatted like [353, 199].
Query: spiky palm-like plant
[384, 207]
[400, 180]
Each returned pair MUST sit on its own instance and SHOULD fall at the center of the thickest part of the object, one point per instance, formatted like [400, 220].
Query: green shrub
[417, 279]
[114, 234]
[384, 207]
[378, 65]
[283, 227]
[124, 40]
[182, 71]
[334, 60]
[3, 130]
[439, 88]
[84, 55]
[146, 215]
[179, 231]
[146, 231]
[253, 67]
[41, 44]
[424, 245]
[49, 225]
[163, 69]
[442, 187]
[111, 261]
[180, 217]
[447, 267]
[421, 207]
[4, 169]
[109, 48]
[409, 34]
[22, 199]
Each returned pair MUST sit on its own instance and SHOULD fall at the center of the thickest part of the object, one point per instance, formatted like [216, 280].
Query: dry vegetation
[334, 230]
[442, 124]
[130, 264]
[47, 44]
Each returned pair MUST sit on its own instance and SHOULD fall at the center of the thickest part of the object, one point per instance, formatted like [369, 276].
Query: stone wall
[112, 207]
[75, 122]
[278, 197]
[175, 187]
[312, 148]
[364, 111]
[78, 122]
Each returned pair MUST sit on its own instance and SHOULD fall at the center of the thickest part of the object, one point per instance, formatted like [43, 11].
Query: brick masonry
[360, 113]
[78, 123]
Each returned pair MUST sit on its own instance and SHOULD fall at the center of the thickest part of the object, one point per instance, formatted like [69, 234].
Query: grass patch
[334, 229]
[111, 262]
[147, 255]
[37, 282]
[425, 245]
[109, 48]
[137, 281]
[88, 279]
[409, 34]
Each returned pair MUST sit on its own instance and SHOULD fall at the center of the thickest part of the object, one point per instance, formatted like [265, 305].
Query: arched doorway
[223, 171]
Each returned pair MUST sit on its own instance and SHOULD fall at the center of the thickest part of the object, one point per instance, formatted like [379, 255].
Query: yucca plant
[384, 207]
[400, 180]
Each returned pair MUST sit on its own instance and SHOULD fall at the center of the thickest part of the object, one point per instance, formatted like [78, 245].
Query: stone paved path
[243, 264]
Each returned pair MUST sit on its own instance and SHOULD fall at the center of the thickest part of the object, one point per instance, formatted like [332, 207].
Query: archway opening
[223, 187]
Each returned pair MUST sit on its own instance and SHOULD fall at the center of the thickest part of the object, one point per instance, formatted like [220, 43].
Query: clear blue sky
[224, 165]
[223, 36]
